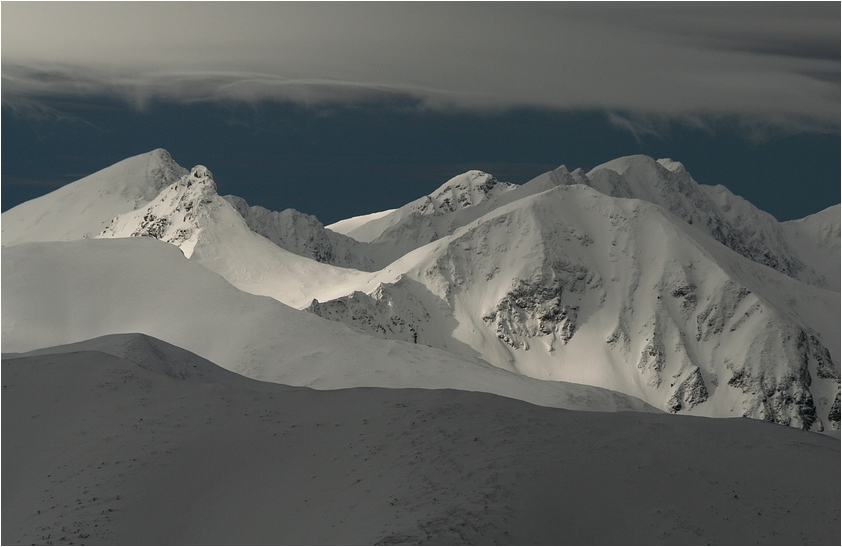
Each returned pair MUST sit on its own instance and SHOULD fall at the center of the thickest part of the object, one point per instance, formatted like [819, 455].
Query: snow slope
[346, 225]
[83, 208]
[816, 241]
[154, 355]
[151, 196]
[97, 450]
[304, 235]
[58, 293]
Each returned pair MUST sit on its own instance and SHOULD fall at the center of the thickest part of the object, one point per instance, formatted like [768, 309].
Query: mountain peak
[66, 213]
[199, 175]
[465, 190]
[173, 216]
[674, 166]
[637, 163]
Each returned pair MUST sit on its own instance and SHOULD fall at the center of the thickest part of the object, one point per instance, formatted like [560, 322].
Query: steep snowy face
[458, 201]
[176, 215]
[578, 286]
[83, 208]
[816, 240]
[304, 235]
[727, 218]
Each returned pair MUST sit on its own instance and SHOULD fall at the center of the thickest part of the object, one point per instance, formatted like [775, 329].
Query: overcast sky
[763, 72]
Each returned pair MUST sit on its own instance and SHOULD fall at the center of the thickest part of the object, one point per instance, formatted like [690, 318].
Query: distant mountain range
[627, 287]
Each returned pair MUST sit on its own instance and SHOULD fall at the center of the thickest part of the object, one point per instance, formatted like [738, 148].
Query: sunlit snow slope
[58, 293]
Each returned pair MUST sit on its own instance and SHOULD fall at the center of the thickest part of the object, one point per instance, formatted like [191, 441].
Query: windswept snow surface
[463, 191]
[304, 235]
[58, 293]
[349, 224]
[98, 450]
[154, 355]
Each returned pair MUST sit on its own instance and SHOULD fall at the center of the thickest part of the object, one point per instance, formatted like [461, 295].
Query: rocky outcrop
[173, 215]
[833, 416]
[386, 313]
[688, 393]
[548, 306]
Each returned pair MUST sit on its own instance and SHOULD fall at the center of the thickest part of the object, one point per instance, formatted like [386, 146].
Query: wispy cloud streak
[772, 65]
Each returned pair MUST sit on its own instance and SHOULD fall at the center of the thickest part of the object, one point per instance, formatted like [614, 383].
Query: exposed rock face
[711, 320]
[378, 315]
[173, 216]
[833, 417]
[688, 393]
[784, 396]
[548, 306]
[653, 358]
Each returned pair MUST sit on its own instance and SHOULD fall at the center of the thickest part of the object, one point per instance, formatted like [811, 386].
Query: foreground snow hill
[101, 449]
[62, 292]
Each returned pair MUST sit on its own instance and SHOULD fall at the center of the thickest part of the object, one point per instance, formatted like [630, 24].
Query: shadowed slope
[98, 450]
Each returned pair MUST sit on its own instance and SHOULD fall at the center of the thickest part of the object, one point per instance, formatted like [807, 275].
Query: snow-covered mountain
[83, 208]
[631, 277]
[616, 293]
[207, 228]
[729, 219]
[460, 192]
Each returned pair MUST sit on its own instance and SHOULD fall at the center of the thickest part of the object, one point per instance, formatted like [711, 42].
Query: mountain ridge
[675, 292]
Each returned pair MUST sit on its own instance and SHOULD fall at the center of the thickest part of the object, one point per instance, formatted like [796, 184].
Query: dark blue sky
[340, 109]
[337, 162]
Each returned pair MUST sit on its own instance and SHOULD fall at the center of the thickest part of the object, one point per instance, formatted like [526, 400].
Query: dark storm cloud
[770, 64]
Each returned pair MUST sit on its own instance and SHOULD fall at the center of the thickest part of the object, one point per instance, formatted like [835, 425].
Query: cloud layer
[775, 64]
